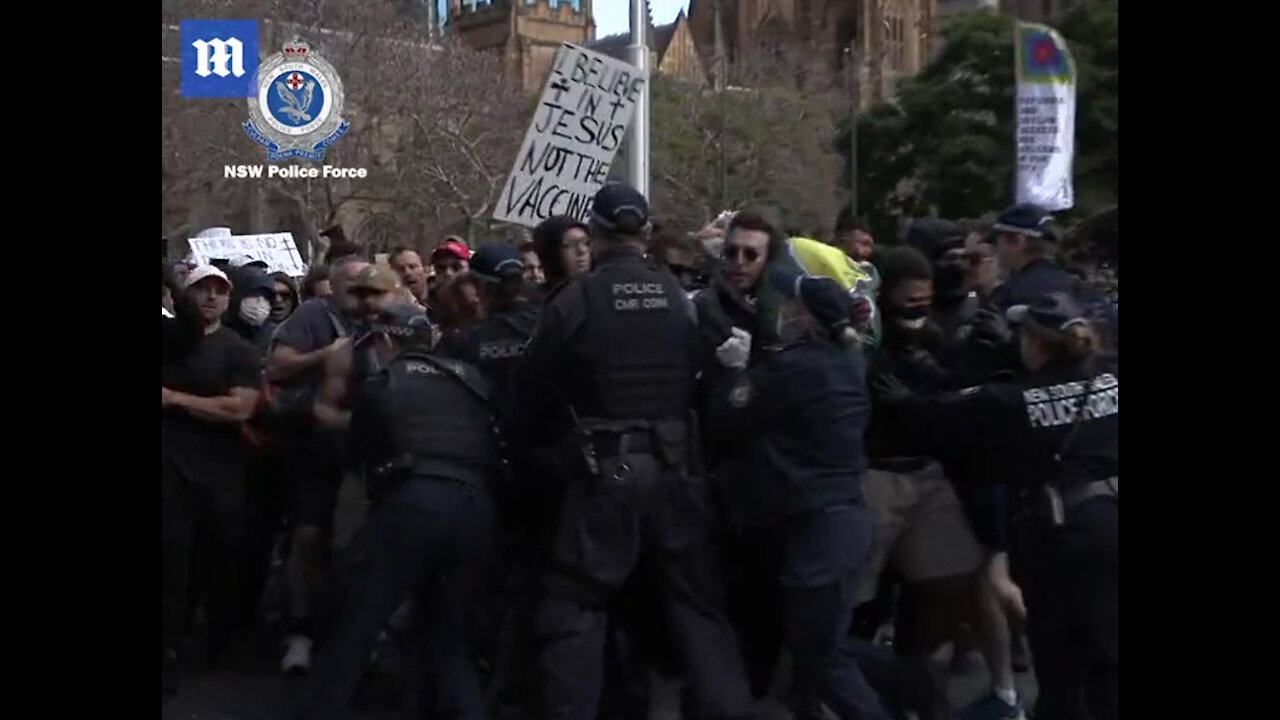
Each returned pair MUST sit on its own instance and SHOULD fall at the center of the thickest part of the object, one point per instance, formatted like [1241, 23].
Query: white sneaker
[297, 655]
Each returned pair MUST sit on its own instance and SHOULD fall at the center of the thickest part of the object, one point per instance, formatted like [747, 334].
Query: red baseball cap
[452, 247]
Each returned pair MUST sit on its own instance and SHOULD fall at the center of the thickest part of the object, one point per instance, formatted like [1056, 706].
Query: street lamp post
[638, 144]
[855, 98]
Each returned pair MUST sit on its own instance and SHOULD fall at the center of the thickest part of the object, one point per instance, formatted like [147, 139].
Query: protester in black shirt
[318, 329]
[206, 392]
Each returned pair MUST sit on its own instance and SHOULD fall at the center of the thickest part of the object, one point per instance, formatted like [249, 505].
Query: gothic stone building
[890, 38]
[526, 32]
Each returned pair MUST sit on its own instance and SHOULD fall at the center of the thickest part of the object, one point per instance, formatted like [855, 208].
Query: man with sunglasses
[619, 347]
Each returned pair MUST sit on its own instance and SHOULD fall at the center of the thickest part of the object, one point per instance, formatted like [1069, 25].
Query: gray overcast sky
[613, 16]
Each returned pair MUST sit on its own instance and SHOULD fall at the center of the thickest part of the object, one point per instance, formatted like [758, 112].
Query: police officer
[619, 347]
[798, 416]
[1052, 438]
[422, 433]
[1025, 242]
[493, 346]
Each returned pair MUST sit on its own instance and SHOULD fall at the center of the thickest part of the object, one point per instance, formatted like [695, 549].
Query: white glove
[733, 353]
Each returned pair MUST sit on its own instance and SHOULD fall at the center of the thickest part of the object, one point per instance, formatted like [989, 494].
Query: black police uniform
[523, 497]
[798, 415]
[1038, 277]
[619, 347]
[1061, 466]
[423, 434]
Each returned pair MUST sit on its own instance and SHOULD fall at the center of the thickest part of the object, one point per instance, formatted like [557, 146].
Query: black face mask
[912, 319]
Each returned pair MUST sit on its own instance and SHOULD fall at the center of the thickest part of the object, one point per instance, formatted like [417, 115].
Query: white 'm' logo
[224, 51]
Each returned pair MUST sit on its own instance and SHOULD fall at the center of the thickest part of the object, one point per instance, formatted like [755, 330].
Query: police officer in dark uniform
[1025, 242]
[798, 416]
[619, 347]
[524, 498]
[1052, 438]
[422, 433]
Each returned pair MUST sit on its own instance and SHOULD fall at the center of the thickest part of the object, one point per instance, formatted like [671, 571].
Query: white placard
[277, 250]
[581, 120]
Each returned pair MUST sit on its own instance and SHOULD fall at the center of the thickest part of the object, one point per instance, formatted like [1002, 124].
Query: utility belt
[670, 440]
[1051, 501]
[405, 466]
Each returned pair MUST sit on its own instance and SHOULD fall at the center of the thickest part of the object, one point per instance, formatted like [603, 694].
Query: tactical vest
[436, 418]
[497, 344]
[635, 356]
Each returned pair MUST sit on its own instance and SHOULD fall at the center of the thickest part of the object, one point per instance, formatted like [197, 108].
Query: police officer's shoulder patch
[741, 394]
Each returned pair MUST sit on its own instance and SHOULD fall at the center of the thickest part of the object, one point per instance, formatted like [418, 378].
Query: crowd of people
[768, 466]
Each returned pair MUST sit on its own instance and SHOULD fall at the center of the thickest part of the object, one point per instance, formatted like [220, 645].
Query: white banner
[580, 122]
[1046, 117]
[277, 250]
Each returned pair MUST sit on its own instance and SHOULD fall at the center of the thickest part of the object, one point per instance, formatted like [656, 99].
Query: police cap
[494, 262]
[1025, 219]
[620, 208]
[403, 322]
[1055, 311]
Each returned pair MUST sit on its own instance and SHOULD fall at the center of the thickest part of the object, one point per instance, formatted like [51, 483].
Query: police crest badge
[297, 112]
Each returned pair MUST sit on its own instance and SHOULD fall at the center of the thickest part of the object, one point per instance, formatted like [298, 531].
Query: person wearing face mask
[1051, 436]
[921, 526]
[249, 310]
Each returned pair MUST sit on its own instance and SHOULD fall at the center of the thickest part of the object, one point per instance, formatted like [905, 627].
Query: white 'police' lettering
[499, 350]
[639, 296]
[1057, 405]
[417, 368]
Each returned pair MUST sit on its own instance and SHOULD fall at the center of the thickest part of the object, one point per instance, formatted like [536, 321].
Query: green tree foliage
[776, 151]
[946, 145]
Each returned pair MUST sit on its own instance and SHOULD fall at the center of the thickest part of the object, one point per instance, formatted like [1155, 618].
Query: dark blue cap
[1055, 311]
[1025, 219]
[616, 200]
[494, 262]
[402, 320]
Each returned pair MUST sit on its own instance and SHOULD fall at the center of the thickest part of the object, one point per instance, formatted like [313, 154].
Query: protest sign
[582, 118]
[1046, 106]
[277, 250]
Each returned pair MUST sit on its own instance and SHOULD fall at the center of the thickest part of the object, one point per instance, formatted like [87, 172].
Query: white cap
[202, 272]
[217, 232]
[242, 260]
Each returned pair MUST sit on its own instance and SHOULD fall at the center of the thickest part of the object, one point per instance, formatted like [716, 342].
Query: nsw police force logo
[297, 112]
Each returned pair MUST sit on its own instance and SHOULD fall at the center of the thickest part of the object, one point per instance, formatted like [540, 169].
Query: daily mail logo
[219, 58]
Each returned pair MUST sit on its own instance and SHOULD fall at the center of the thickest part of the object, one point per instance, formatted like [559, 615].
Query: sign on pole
[1046, 107]
[581, 120]
[277, 250]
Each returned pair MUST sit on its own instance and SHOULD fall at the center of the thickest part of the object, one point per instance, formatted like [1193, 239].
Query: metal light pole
[855, 98]
[638, 142]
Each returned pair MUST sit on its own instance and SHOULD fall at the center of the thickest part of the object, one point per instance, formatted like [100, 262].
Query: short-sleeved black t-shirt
[312, 326]
[220, 361]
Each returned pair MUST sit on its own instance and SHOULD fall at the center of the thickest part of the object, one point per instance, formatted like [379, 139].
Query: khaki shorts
[919, 526]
